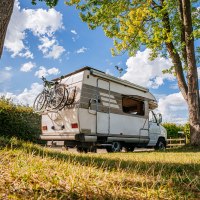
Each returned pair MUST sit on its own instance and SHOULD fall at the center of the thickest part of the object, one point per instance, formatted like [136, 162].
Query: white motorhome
[105, 112]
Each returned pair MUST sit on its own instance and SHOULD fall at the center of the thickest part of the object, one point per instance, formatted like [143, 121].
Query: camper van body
[105, 111]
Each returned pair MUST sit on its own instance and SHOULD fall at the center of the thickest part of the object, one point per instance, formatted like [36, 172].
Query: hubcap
[161, 146]
[116, 146]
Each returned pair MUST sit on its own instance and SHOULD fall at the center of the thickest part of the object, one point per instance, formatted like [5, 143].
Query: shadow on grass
[106, 163]
[185, 173]
[187, 148]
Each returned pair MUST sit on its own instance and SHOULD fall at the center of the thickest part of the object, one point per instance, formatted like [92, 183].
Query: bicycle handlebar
[50, 82]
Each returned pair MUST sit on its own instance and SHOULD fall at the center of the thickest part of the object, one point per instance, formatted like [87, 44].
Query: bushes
[173, 129]
[18, 121]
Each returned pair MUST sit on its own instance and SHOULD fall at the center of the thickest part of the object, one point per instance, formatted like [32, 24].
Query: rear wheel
[58, 96]
[116, 147]
[129, 149]
[161, 144]
[65, 99]
[93, 149]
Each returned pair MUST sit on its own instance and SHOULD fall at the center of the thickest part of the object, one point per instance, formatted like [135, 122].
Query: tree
[166, 27]
[6, 9]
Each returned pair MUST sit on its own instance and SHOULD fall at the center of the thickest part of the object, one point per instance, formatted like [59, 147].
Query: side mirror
[159, 118]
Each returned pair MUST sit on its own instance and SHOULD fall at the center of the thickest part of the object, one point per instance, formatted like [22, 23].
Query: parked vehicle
[102, 111]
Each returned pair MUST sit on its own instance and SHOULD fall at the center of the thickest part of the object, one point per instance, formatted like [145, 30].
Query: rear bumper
[57, 137]
[72, 137]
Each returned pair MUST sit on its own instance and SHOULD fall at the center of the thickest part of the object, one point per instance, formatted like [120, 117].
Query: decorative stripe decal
[111, 105]
[107, 100]
[107, 95]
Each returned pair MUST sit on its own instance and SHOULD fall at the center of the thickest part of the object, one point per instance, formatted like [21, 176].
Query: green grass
[28, 171]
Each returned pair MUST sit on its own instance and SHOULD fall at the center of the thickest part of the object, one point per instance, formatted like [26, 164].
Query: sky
[54, 42]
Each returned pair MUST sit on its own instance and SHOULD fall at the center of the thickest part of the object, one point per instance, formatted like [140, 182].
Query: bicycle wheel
[39, 102]
[65, 99]
[57, 97]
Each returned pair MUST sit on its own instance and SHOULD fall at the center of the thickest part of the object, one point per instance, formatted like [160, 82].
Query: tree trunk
[193, 88]
[6, 9]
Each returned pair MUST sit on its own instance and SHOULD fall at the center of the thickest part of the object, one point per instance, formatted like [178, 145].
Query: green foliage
[186, 129]
[134, 23]
[50, 3]
[19, 121]
[173, 129]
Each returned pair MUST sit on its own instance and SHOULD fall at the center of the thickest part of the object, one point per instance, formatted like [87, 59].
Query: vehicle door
[103, 107]
[154, 129]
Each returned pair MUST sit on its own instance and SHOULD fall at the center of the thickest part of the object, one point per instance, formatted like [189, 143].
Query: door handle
[89, 106]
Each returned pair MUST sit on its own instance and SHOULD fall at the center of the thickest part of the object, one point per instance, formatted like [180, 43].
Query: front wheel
[161, 144]
[129, 149]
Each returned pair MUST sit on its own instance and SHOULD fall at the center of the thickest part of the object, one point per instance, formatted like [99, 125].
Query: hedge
[19, 121]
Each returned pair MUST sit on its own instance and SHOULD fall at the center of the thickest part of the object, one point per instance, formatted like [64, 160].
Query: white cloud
[81, 50]
[27, 97]
[50, 48]
[142, 71]
[109, 72]
[56, 52]
[8, 68]
[39, 22]
[74, 32]
[173, 108]
[198, 71]
[4, 76]
[27, 67]
[46, 44]
[26, 53]
[76, 36]
[46, 72]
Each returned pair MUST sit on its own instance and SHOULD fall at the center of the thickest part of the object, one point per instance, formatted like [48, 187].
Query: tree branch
[183, 43]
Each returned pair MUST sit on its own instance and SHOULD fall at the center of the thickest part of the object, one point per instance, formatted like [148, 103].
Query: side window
[152, 117]
[132, 106]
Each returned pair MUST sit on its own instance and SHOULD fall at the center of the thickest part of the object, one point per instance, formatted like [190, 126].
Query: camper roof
[101, 74]
[145, 91]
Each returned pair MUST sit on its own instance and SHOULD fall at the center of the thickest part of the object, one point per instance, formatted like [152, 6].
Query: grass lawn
[28, 171]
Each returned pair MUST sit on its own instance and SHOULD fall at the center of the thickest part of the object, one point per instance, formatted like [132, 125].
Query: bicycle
[52, 96]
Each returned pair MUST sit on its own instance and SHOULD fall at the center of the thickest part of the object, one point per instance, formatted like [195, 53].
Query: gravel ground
[101, 150]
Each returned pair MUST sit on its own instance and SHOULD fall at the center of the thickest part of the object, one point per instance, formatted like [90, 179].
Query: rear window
[132, 106]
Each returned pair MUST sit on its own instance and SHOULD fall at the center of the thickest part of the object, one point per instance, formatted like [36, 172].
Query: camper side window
[132, 106]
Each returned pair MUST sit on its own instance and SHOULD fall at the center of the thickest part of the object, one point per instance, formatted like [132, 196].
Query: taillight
[44, 128]
[74, 125]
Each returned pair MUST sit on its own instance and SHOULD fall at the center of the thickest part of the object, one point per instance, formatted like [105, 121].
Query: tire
[65, 99]
[82, 149]
[129, 149]
[116, 147]
[39, 102]
[58, 97]
[93, 149]
[161, 145]
[71, 97]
